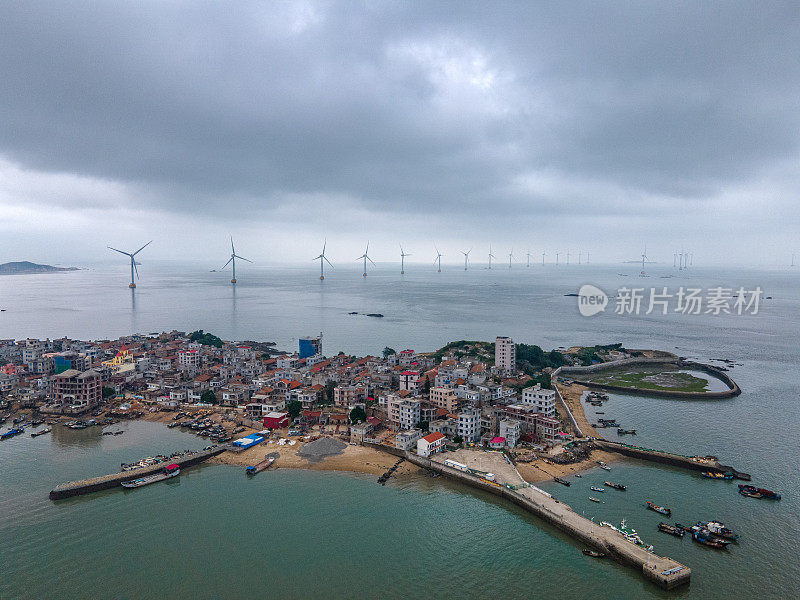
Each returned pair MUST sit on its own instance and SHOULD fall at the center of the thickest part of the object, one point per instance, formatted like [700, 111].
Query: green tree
[108, 392]
[208, 397]
[458, 439]
[294, 408]
[207, 339]
[424, 425]
[327, 393]
[388, 352]
[358, 415]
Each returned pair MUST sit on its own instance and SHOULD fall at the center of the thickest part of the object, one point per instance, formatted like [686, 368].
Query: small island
[26, 267]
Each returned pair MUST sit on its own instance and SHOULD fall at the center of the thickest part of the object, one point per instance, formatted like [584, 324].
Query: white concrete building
[406, 440]
[510, 429]
[544, 401]
[469, 424]
[430, 444]
[505, 353]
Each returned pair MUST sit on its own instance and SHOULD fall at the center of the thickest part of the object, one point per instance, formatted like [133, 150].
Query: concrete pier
[675, 460]
[661, 570]
[95, 484]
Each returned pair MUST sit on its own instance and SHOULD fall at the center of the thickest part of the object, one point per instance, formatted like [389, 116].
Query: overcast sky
[551, 126]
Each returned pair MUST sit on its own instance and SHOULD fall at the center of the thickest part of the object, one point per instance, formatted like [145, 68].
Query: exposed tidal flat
[291, 533]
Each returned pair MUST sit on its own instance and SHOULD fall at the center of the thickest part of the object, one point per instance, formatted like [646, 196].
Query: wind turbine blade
[135, 269]
[233, 250]
[327, 261]
[227, 263]
[120, 251]
[243, 258]
[370, 260]
[143, 247]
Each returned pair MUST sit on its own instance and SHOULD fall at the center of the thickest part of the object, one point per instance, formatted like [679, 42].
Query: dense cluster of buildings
[420, 400]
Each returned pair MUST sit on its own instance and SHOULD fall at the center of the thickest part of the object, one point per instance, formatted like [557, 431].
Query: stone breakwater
[105, 482]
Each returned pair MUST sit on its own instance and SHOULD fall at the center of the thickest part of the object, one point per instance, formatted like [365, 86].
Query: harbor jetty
[661, 570]
[693, 463]
[96, 484]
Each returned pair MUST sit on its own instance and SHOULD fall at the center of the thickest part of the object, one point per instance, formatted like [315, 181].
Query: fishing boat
[597, 489]
[659, 509]
[717, 475]
[171, 470]
[671, 529]
[704, 537]
[616, 486]
[578, 475]
[561, 481]
[593, 499]
[627, 532]
[11, 433]
[173, 424]
[752, 491]
[621, 431]
[718, 529]
[42, 432]
[593, 553]
[257, 468]
[605, 467]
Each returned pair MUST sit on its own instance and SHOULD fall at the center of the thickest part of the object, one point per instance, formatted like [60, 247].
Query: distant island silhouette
[25, 267]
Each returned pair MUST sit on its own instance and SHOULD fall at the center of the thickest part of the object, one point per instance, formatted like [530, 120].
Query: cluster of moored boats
[154, 460]
[205, 427]
[713, 534]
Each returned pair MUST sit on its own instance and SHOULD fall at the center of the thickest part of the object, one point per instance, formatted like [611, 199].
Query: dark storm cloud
[438, 107]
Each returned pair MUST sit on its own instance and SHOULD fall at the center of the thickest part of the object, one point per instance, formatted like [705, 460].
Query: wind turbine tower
[543, 258]
[438, 259]
[366, 258]
[510, 256]
[322, 260]
[232, 259]
[644, 258]
[403, 255]
[567, 256]
[132, 284]
[529, 259]
[580, 253]
[466, 258]
[491, 256]
[556, 257]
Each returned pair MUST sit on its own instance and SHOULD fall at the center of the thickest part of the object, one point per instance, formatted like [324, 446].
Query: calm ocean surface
[295, 534]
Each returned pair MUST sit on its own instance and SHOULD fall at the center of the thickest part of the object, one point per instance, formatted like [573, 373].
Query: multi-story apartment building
[505, 354]
[510, 429]
[468, 424]
[409, 381]
[444, 398]
[544, 401]
[76, 392]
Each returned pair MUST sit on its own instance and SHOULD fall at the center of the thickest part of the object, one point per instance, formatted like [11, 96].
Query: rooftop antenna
[366, 258]
[438, 258]
[491, 256]
[466, 258]
[232, 259]
[403, 255]
[543, 258]
[132, 284]
[322, 260]
[510, 256]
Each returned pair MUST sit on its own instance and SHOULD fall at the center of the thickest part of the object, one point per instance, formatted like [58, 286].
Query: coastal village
[409, 400]
[498, 416]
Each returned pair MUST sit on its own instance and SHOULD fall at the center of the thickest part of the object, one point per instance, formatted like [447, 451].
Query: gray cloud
[472, 114]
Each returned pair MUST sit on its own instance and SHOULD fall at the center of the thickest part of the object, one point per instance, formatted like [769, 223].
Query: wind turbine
[491, 256]
[438, 258]
[556, 257]
[587, 257]
[580, 253]
[644, 258]
[543, 258]
[232, 259]
[567, 256]
[133, 262]
[528, 264]
[510, 256]
[793, 253]
[403, 255]
[466, 258]
[322, 260]
[366, 258]
[674, 260]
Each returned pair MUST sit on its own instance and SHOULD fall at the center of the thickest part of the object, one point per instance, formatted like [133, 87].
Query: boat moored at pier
[171, 470]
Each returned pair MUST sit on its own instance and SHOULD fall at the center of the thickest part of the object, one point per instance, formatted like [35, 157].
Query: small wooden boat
[675, 530]
[616, 486]
[42, 432]
[717, 475]
[257, 468]
[11, 433]
[594, 499]
[171, 470]
[704, 537]
[593, 553]
[597, 489]
[752, 491]
[621, 431]
[561, 481]
[659, 509]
